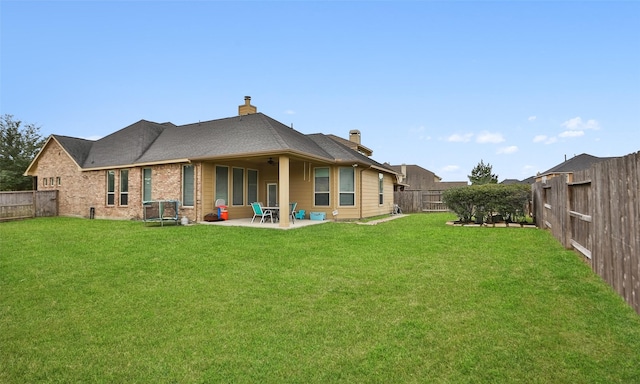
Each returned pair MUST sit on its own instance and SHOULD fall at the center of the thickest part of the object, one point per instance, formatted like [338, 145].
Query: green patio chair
[262, 213]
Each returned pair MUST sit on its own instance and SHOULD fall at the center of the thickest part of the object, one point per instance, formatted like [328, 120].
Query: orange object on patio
[223, 214]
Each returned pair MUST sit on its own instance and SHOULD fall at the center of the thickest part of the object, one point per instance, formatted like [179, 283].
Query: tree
[481, 174]
[18, 146]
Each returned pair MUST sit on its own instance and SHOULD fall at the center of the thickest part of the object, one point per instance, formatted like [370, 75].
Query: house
[416, 178]
[576, 163]
[241, 159]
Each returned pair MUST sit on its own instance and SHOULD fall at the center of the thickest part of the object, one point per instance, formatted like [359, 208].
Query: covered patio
[246, 222]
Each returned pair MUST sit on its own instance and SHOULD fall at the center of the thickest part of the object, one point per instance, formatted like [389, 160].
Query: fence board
[27, 204]
[420, 201]
[598, 214]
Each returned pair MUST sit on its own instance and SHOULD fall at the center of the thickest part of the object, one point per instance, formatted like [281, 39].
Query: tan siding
[346, 212]
[301, 186]
[370, 194]
[207, 177]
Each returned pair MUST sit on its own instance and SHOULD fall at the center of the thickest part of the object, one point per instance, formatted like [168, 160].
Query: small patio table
[276, 213]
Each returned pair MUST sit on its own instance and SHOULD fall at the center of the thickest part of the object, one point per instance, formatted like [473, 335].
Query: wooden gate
[27, 204]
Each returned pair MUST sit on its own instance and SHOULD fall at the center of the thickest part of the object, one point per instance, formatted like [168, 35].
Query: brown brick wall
[79, 191]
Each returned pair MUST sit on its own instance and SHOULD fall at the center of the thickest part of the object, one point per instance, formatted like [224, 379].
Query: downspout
[360, 201]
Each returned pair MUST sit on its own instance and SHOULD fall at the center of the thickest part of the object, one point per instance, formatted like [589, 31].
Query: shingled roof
[77, 148]
[146, 142]
[233, 136]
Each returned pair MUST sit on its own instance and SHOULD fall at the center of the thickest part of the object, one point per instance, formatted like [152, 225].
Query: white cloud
[450, 168]
[544, 139]
[576, 124]
[539, 138]
[93, 138]
[532, 118]
[571, 134]
[289, 112]
[592, 124]
[457, 138]
[488, 137]
[508, 150]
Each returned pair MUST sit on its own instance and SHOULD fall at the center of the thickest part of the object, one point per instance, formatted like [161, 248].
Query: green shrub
[483, 202]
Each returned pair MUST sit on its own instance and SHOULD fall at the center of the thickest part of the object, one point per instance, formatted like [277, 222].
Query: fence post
[567, 228]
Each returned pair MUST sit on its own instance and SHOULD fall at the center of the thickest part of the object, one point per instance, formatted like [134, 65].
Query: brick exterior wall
[81, 190]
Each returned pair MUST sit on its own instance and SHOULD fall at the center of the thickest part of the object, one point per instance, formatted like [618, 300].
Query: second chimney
[354, 136]
[246, 108]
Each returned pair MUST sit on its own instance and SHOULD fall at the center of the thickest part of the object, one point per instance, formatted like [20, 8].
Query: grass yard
[407, 301]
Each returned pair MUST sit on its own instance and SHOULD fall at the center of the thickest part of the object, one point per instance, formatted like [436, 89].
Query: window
[51, 181]
[44, 181]
[146, 184]
[238, 186]
[321, 186]
[347, 186]
[124, 187]
[188, 185]
[252, 186]
[111, 187]
[380, 188]
[58, 181]
[222, 183]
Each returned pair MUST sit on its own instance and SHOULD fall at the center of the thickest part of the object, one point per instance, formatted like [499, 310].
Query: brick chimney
[246, 108]
[354, 136]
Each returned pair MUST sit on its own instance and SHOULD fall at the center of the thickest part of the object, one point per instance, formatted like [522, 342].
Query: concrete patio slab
[246, 222]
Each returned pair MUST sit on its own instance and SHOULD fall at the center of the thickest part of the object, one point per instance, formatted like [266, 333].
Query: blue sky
[519, 85]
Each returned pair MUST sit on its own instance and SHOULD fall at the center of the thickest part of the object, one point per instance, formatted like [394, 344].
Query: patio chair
[258, 211]
[293, 206]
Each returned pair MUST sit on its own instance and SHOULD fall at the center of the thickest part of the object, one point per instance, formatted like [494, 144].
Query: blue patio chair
[300, 214]
[258, 211]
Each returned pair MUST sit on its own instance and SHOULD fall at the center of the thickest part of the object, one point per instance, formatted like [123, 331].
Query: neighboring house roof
[576, 163]
[511, 181]
[146, 142]
[528, 180]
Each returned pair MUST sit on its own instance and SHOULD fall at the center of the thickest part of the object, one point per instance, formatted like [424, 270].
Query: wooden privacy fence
[420, 201]
[27, 204]
[597, 213]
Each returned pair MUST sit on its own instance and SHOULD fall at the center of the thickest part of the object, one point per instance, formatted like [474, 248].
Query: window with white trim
[146, 184]
[238, 186]
[252, 186]
[124, 187]
[111, 187]
[321, 187]
[188, 190]
[380, 188]
[222, 183]
[347, 186]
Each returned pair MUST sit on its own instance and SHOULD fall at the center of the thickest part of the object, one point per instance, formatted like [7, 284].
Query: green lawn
[407, 301]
